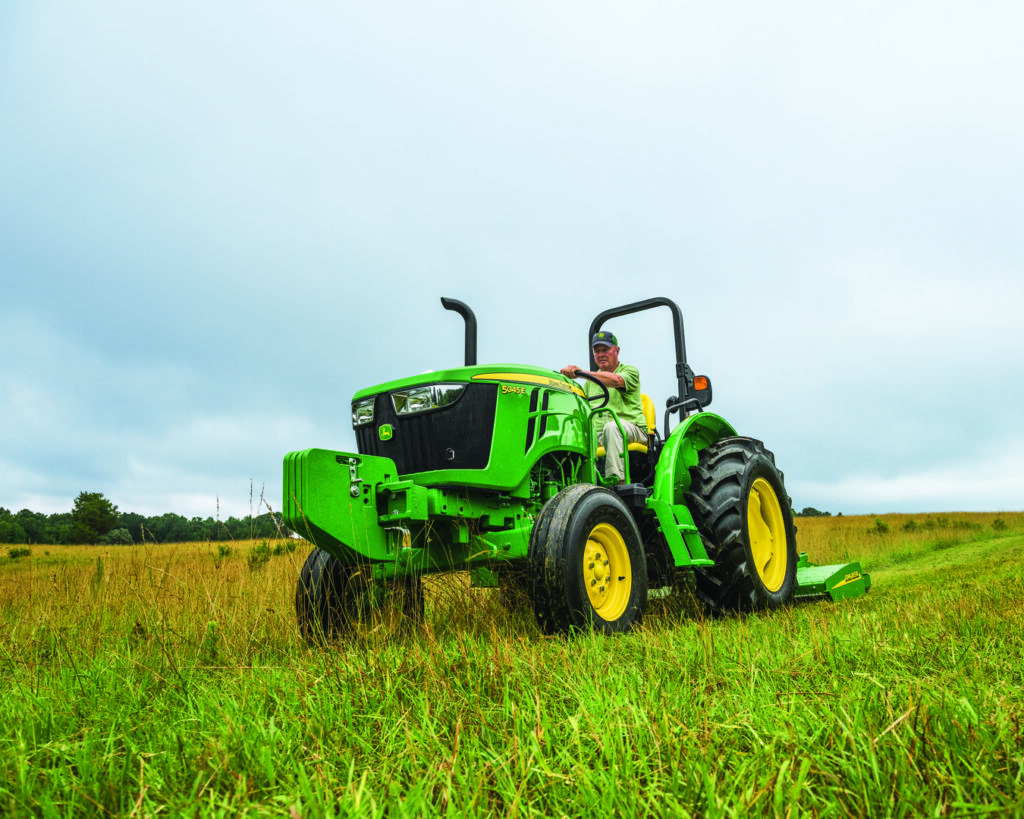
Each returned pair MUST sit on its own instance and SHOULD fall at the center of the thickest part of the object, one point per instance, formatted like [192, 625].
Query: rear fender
[672, 480]
[672, 477]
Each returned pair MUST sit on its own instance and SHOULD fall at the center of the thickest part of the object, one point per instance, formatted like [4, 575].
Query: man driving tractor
[623, 383]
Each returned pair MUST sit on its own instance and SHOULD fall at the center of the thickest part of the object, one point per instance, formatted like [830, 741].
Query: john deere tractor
[495, 469]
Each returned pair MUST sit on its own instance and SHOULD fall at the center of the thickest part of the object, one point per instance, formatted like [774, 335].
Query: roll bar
[687, 398]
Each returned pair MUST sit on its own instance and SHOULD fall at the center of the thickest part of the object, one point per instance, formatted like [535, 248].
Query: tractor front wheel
[334, 599]
[586, 563]
[739, 503]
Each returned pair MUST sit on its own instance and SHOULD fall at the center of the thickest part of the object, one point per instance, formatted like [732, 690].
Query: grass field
[170, 680]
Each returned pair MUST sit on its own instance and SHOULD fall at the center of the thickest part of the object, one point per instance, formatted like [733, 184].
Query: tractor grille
[454, 437]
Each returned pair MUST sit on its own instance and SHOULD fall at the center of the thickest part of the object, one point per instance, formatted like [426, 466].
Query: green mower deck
[837, 582]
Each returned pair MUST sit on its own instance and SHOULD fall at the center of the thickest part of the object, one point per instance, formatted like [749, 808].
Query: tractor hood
[481, 373]
[452, 420]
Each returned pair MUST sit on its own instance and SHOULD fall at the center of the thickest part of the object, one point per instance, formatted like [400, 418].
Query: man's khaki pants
[611, 440]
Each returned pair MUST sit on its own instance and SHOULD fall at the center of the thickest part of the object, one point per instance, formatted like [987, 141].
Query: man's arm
[610, 380]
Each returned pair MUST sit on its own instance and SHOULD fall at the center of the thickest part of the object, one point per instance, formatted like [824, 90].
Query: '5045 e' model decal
[526, 378]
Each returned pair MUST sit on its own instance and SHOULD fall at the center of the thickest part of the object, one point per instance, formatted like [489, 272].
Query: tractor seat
[648, 405]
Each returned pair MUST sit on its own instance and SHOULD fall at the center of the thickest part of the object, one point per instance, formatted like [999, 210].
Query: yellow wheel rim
[767, 531]
[607, 573]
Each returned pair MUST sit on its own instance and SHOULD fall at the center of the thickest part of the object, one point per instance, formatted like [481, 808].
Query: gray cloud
[219, 225]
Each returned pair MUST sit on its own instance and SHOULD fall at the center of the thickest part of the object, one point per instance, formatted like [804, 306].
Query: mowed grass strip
[171, 679]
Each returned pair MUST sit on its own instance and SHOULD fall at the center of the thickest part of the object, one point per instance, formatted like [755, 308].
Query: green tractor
[495, 470]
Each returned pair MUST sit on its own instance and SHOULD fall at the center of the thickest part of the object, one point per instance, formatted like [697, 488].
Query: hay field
[155, 680]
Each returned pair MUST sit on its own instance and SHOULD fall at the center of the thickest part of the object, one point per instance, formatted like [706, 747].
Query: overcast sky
[218, 220]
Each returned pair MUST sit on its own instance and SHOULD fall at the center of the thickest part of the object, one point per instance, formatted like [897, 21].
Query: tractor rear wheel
[738, 501]
[334, 599]
[586, 564]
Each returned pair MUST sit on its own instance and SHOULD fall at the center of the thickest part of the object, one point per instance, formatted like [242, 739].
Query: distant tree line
[94, 519]
[811, 512]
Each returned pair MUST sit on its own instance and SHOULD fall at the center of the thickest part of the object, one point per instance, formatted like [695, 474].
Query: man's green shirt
[625, 401]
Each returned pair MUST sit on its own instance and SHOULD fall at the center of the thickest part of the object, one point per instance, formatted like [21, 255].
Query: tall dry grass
[866, 538]
[172, 680]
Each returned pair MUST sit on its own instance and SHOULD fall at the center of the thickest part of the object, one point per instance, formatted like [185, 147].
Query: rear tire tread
[717, 499]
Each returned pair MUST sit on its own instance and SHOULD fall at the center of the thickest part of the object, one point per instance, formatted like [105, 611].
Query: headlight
[421, 399]
[362, 412]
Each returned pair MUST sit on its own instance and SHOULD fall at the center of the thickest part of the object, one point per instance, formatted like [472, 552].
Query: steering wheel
[605, 395]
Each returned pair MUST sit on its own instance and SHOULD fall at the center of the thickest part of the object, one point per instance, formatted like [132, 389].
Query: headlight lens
[362, 412]
[421, 399]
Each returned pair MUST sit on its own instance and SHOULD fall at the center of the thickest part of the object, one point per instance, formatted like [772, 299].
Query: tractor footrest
[634, 495]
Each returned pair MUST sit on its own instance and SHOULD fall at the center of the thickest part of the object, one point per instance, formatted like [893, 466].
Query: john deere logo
[385, 432]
